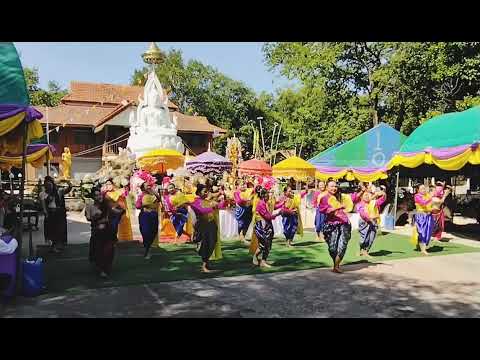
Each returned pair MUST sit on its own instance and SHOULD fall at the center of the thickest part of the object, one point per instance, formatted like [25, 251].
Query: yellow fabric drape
[414, 237]
[379, 175]
[150, 201]
[124, 232]
[469, 156]
[115, 195]
[254, 241]
[217, 253]
[36, 159]
[325, 176]
[179, 199]
[345, 202]
[351, 175]
[34, 130]
[166, 227]
[190, 197]
[373, 211]
[189, 225]
[8, 124]
[247, 194]
[12, 142]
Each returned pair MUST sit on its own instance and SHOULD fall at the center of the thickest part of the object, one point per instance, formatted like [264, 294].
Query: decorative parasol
[254, 167]
[159, 161]
[209, 163]
[234, 153]
[294, 167]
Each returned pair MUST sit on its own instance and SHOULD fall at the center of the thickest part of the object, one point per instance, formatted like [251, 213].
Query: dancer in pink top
[369, 210]
[206, 228]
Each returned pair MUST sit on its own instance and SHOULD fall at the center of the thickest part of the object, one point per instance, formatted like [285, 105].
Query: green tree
[346, 88]
[40, 97]
[426, 79]
[344, 70]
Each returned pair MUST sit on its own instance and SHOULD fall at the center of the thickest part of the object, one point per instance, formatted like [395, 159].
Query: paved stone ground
[441, 286]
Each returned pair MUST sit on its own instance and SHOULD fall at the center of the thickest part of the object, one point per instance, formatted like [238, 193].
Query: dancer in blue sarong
[291, 219]
[369, 210]
[149, 203]
[265, 213]
[424, 223]
[319, 216]
[243, 209]
[177, 208]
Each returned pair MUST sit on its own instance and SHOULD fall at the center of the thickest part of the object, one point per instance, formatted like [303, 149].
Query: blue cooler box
[389, 223]
[33, 277]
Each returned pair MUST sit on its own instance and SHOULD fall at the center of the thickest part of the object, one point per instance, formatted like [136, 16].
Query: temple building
[94, 120]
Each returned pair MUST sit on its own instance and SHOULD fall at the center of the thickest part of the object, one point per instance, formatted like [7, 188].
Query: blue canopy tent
[363, 158]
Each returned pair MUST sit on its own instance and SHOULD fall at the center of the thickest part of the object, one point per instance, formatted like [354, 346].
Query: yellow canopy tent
[294, 167]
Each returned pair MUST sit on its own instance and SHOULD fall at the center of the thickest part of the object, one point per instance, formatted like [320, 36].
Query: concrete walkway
[440, 286]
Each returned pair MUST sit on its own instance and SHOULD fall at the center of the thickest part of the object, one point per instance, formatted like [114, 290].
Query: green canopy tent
[18, 125]
[445, 146]
[447, 142]
[14, 87]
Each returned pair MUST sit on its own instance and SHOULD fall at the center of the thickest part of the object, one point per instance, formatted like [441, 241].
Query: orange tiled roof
[113, 113]
[188, 123]
[93, 105]
[73, 115]
[95, 116]
[105, 93]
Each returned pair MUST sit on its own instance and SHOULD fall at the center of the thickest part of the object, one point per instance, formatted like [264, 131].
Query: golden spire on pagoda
[153, 55]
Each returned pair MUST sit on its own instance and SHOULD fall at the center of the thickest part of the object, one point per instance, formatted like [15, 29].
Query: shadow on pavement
[385, 253]
[314, 293]
[467, 231]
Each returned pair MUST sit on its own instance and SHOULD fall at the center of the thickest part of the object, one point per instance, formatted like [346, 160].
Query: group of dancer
[332, 223]
[193, 210]
[429, 217]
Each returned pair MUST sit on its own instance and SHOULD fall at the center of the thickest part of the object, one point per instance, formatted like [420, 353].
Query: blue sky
[114, 63]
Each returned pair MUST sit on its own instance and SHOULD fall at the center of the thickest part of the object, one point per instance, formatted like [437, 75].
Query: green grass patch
[71, 270]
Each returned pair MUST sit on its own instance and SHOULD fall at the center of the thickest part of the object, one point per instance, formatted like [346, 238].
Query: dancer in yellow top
[291, 219]
[319, 216]
[148, 202]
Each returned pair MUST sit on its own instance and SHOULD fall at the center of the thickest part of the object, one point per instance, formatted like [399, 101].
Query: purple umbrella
[209, 163]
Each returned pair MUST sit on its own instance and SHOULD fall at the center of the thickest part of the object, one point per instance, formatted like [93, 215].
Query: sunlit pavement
[439, 286]
[422, 287]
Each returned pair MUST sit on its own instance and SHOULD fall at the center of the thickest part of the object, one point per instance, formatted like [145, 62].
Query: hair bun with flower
[142, 176]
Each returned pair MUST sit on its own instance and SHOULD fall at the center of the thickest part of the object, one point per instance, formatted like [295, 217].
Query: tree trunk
[374, 101]
[375, 111]
[375, 117]
[401, 115]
